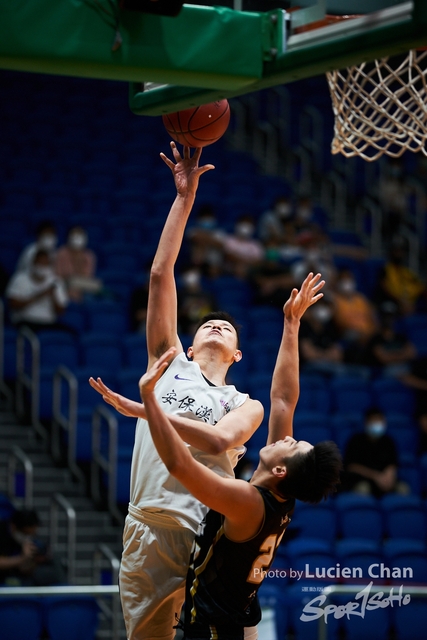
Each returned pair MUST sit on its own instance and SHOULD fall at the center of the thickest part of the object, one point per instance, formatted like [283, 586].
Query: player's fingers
[316, 298]
[186, 152]
[307, 281]
[175, 152]
[166, 160]
[318, 286]
[197, 154]
[206, 167]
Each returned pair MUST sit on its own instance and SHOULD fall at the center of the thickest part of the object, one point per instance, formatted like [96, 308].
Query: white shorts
[156, 554]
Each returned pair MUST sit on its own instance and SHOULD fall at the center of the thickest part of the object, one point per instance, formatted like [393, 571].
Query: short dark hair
[312, 476]
[373, 411]
[41, 253]
[23, 518]
[221, 315]
[45, 225]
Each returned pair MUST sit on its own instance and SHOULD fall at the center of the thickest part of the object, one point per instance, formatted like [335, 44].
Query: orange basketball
[198, 126]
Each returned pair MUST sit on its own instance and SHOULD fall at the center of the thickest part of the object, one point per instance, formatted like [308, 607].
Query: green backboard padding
[203, 47]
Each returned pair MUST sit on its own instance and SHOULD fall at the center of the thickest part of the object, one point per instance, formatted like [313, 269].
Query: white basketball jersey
[182, 391]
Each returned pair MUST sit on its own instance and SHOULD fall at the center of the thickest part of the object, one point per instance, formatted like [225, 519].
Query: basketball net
[380, 107]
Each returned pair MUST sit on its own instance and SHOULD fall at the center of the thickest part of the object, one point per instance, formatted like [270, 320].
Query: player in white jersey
[213, 418]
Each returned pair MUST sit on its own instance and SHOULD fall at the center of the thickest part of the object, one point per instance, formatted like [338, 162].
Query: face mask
[347, 286]
[207, 223]
[304, 213]
[376, 429]
[191, 278]
[322, 313]
[244, 229]
[47, 241]
[77, 240]
[42, 271]
[283, 209]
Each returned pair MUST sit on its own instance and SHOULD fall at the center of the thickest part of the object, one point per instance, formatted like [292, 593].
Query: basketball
[198, 126]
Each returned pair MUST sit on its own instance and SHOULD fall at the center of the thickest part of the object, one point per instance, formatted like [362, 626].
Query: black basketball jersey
[224, 576]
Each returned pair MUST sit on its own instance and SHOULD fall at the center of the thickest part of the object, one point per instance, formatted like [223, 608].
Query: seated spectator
[320, 349]
[203, 252]
[398, 283]
[193, 301]
[46, 239]
[370, 460]
[316, 257]
[37, 297]
[24, 559]
[390, 350]
[271, 280]
[76, 264]
[354, 315]
[274, 224]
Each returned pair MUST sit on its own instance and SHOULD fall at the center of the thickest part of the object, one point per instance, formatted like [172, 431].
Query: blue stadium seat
[315, 522]
[127, 383]
[359, 517]
[350, 395]
[298, 596]
[405, 517]
[314, 394]
[273, 596]
[391, 396]
[107, 317]
[101, 349]
[375, 625]
[355, 554]
[410, 621]
[20, 618]
[135, 351]
[71, 618]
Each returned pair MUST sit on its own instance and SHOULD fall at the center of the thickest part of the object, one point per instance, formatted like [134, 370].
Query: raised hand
[123, 405]
[299, 301]
[149, 379]
[185, 170]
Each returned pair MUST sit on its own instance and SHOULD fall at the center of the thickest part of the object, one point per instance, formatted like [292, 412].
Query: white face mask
[191, 278]
[47, 241]
[376, 429]
[77, 240]
[42, 271]
[244, 229]
[346, 286]
[322, 313]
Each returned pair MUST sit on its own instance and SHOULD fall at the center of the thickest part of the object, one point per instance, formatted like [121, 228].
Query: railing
[334, 199]
[17, 455]
[58, 501]
[311, 128]
[29, 381]
[4, 389]
[341, 589]
[107, 464]
[101, 592]
[373, 239]
[66, 423]
[104, 554]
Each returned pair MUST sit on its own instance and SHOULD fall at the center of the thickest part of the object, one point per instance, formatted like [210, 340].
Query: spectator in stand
[320, 350]
[316, 257]
[276, 224]
[203, 252]
[370, 460]
[354, 314]
[390, 350]
[37, 297]
[24, 559]
[398, 283]
[271, 280]
[75, 263]
[193, 302]
[46, 239]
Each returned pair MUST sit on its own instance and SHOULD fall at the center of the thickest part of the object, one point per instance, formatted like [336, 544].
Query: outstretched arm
[234, 429]
[236, 499]
[162, 299]
[285, 383]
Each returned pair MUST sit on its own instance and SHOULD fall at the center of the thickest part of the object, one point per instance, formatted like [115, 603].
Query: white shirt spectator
[23, 286]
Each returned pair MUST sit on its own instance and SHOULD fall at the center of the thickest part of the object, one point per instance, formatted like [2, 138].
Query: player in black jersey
[238, 538]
